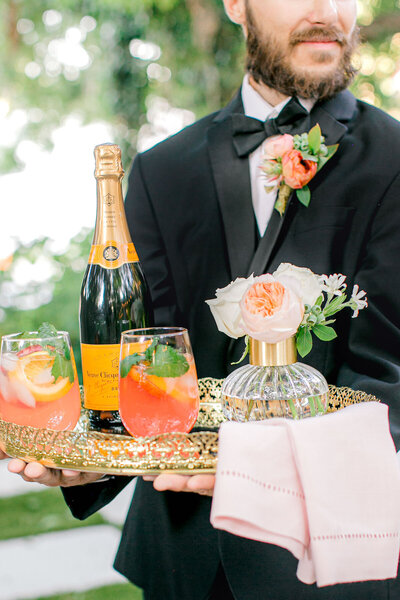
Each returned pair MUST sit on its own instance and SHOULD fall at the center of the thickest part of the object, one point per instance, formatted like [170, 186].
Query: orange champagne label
[100, 366]
[112, 255]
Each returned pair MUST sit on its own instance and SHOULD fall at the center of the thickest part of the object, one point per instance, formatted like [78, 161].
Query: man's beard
[268, 64]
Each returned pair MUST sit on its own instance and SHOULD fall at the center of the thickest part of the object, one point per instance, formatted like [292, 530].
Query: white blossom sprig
[333, 284]
[317, 319]
[358, 301]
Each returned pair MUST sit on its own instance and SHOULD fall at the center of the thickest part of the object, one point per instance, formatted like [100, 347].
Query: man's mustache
[318, 34]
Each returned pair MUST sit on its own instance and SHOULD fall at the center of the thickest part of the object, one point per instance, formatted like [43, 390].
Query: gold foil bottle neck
[273, 355]
[108, 161]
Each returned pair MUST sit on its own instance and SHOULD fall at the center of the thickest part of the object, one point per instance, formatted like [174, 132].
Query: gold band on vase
[273, 355]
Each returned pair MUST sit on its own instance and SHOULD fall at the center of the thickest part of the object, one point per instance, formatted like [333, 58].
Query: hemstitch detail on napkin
[263, 484]
[347, 536]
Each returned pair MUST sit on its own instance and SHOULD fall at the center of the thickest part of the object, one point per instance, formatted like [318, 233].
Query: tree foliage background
[118, 60]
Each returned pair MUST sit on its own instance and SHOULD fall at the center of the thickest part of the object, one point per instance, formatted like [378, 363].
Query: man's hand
[199, 484]
[36, 473]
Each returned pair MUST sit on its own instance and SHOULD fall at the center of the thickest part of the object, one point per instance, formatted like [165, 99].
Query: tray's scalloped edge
[190, 453]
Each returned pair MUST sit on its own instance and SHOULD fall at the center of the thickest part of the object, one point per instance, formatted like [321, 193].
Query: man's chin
[319, 62]
[316, 74]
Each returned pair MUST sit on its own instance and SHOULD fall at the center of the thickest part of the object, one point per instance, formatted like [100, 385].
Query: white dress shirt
[255, 106]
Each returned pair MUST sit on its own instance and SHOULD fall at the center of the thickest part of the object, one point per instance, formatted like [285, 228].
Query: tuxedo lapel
[333, 116]
[268, 242]
[232, 182]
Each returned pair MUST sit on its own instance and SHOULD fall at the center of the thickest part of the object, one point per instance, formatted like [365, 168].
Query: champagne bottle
[114, 295]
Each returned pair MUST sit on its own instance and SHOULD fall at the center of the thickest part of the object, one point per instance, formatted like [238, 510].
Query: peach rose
[270, 312]
[296, 171]
[277, 146]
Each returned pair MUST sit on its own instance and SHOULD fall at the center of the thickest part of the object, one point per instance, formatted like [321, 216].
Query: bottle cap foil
[108, 160]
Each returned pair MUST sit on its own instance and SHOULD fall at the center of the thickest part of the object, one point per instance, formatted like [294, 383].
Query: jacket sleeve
[84, 500]
[372, 363]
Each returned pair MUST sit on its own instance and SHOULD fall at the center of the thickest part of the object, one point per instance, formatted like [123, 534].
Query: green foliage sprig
[318, 318]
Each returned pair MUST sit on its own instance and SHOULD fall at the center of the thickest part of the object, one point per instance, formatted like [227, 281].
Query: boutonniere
[290, 162]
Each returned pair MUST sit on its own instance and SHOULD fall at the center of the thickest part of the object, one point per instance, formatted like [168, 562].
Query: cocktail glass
[158, 391]
[38, 381]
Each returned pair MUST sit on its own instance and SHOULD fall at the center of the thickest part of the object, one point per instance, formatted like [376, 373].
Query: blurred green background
[143, 68]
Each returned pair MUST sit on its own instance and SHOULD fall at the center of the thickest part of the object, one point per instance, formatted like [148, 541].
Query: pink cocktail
[38, 381]
[158, 391]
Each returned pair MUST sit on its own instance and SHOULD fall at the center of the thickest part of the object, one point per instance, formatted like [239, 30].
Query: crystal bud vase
[274, 384]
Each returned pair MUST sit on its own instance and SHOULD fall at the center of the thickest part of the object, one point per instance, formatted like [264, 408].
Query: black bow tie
[249, 133]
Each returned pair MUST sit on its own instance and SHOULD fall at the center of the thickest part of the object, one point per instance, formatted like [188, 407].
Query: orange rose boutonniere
[290, 162]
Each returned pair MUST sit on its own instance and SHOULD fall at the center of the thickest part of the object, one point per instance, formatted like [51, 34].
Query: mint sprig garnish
[134, 359]
[62, 365]
[160, 360]
[128, 362]
[168, 362]
[47, 330]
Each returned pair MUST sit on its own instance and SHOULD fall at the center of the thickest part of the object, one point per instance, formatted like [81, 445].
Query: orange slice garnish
[163, 386]
[34, 371]
[134, 348]
[155, 386]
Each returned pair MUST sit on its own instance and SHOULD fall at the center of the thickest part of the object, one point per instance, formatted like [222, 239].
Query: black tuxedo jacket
[190, 213]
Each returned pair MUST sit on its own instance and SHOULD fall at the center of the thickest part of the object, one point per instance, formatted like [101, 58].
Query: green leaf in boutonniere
[314, 139]
[168, 362]
[307, 156]
[304, 195]
[324, 159]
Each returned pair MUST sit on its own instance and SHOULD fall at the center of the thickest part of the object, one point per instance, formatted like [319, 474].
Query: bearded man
[200, 217]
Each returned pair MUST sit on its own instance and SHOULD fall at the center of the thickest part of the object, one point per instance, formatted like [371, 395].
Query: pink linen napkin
[326, 488]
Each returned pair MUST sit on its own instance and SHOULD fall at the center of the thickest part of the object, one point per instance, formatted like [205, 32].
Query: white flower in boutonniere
[293, 301]
[290, 162]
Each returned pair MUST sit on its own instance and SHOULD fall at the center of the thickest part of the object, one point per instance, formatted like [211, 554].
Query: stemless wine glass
[158, 391]
[38, 381]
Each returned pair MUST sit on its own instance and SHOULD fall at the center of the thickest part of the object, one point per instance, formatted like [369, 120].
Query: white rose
[303, 282]
[225, 308]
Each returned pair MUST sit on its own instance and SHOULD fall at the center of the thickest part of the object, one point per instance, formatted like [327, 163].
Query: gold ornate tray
[184, 453]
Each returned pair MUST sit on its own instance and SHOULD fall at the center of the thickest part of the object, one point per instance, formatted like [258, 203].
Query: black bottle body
[112, 301]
